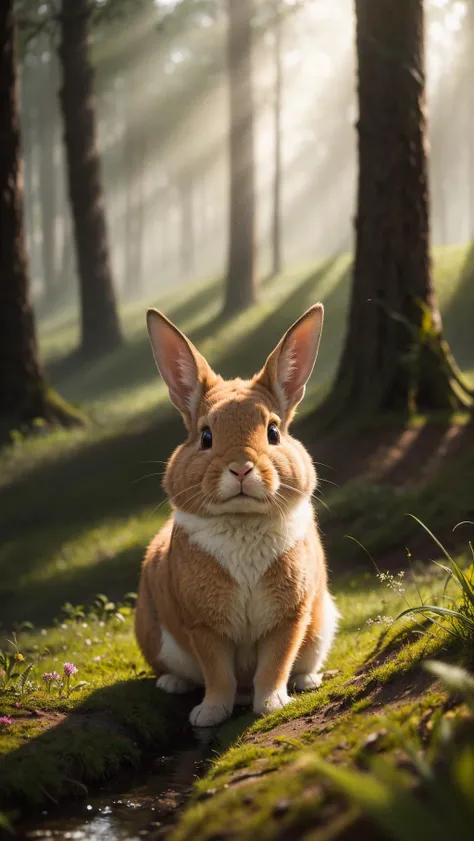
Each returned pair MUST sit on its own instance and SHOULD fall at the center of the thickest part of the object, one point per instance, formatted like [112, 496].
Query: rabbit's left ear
[184, 370]
[289, 366]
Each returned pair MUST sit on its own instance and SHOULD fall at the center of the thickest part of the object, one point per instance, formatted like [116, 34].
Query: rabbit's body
[233, 592]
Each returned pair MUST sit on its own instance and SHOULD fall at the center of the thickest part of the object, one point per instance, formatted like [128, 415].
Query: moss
[58, 754]
[287, 798]
[69, 743]
[117, 706]
[91, 498]
[89, 495]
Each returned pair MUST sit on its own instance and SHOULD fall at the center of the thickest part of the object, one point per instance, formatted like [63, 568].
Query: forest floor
[77, 508]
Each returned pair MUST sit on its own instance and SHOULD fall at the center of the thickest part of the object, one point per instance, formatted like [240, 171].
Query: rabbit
[233, 591]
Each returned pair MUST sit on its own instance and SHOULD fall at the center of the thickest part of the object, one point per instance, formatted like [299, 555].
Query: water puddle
[142, 805]
[138, 804]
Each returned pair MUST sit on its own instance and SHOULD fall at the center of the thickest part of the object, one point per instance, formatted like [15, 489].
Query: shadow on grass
[261, 339]
[114, 727]
[130, 365]
[58, 501]
[41, 601]
[61, 499]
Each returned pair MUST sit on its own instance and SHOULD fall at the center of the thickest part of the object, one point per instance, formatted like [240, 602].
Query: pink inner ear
[177, 366]
[298, 356]
[288, 362]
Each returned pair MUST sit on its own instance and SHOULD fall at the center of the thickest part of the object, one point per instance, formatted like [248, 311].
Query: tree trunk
[241, 271]
[23, 393]
[100, 329]
[47, 178]
[29, 122]
[276, 220]
[395, 358]
[30, 119]
[469, 133]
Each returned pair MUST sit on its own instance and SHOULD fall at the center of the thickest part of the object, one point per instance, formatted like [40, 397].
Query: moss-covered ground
[77, 508]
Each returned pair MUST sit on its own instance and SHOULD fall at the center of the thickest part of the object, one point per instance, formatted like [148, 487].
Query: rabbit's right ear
[289, 367]
[183, 368]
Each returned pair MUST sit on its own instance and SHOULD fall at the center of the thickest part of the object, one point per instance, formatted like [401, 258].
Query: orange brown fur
[207, 611]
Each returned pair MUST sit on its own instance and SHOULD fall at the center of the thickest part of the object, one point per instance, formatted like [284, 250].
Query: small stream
[140, 805]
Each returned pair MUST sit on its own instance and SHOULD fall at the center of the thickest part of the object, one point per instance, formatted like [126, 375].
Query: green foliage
[459, 617]
[89, 520]
[443, 803]
[80, 731]
[454, 678]
[5, 823]
[15, 674]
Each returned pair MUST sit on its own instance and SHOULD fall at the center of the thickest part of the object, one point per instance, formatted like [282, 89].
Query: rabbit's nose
[241, 470]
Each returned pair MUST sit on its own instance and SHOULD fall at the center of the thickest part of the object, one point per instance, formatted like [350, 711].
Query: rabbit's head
[239, 457]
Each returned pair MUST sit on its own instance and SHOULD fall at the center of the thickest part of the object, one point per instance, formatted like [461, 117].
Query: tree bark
[469, 81]
[24, 395]
[48, 177]
[395, 358]
[277, 105]
[29, 119]
[241, 270]
[100, 329]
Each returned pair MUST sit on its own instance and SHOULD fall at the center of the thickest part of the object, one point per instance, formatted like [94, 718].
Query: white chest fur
[246, 546]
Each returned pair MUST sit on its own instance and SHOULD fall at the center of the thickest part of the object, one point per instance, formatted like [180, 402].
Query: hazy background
[162, 118]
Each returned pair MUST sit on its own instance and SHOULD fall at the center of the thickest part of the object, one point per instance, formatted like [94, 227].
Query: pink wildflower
[49, 676]
[69, 669]
[5, 721]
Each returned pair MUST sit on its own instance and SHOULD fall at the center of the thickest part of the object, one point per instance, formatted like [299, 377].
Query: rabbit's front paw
[305, 682]
[174, 685]
[277, 699]
[209, 715]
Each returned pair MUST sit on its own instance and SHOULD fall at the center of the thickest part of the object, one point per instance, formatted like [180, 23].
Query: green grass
[118, 715]
[57, 745]
[285, 794]
[276, 781]
[78, 507]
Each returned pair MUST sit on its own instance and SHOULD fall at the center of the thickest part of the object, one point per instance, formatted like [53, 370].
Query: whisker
[282, 512]
[160, 505]
[175, 496]
[296, 490]
[206, 501]
[147, 476]
[321, 464]
[328, 508]
[328, 482]
[180, 493]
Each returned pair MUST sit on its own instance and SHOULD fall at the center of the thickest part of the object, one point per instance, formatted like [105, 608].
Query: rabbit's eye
[206, 438]
[273, 434]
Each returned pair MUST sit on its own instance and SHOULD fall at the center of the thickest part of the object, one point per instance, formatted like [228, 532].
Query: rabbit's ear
[289, 367]
[184, 370]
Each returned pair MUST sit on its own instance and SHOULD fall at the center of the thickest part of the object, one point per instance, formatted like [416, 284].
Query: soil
[401, 455]
[397, 692]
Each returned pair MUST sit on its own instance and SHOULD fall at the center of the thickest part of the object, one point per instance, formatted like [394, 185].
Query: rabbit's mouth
[242, 494]
[241, 503]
